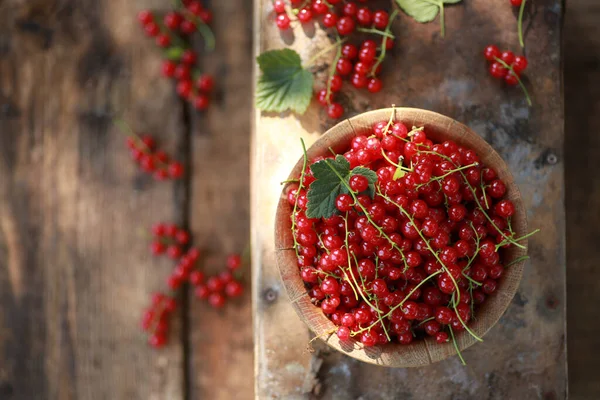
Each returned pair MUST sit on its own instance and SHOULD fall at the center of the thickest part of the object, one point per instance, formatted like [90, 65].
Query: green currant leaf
[425, 10]
[332, 179]
[284, 84]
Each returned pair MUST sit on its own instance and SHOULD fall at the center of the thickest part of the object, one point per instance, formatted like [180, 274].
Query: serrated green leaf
[332, 179]
[421, 10]
[284, 84]
[426, 10]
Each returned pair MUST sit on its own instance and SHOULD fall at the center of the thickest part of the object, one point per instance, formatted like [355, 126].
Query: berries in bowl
[400, 237]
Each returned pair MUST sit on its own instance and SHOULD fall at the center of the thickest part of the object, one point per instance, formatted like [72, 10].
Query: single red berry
[201, 102]
[367, 54]
[168, 68]
[388, 43]
[516, 3]
[282, 21]
[350, 9]
[234, 261]
[498, 71]
[157, 248]
[147, 163]
[205, 83]
[182, 72]
[381, 19]
[161, 156]
[279, 6]
[187, 27]
[508, 57]
[512, 78]
[215, 284]
[234, 289]
[195, 7]
[335, 110]
[374, 85]
[182, 237]
[184, 88]
[157, 340]
[145, 17]
[217, 300]
[364, 16]
[174, 252]
[173, 282]
[343, 333]
[319, 6]
[152, 29]
[171, 230]
[335, 83]
[441, 337]
[176, 170]
[349, 51]
[163, 40]
[359, 81]
[196, 278]
[491, 52]
[359, 183]
[188, 57]
[202, 291]
[345, 26]
[520, 63]
[344, 202]
[158, 229]
[362, 68]
[305, 15]
[172, 20]
[343, 66]
[206, 16]
[504, 208]
[330, 19]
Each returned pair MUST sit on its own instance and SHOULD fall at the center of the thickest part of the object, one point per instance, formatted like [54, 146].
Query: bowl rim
[422, 352]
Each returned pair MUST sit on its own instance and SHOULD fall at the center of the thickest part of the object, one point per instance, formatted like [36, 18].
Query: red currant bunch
[168, 239]
[155, 319]
[359, 63]
[423, 251]
[181, 65]
[506, 66]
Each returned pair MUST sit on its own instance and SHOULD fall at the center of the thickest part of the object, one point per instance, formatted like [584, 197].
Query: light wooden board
[524, 356]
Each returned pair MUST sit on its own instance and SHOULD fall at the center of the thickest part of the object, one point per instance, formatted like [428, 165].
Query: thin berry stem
[510, 68]
[383, 41]
[462, 360]
[300, 186]
[204, 29]
[520, 23]
[376, 31]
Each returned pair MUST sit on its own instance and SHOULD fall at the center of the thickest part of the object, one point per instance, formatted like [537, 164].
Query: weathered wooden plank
[74, 272]
[220, 341]
[524, 356]
[582, 145]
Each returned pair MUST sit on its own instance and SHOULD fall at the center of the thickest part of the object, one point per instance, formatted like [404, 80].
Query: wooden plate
[420, 352]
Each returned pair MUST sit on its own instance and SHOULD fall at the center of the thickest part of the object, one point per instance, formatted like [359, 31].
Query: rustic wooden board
[221, 340]
[524, 356]
[74, 272]
[582, 144]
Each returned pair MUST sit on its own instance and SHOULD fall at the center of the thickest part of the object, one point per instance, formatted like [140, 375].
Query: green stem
[205, 31]
[510, 68]
[462, 360]
[300, 187]
[376, 31]
[383, 44]
[516, 260]
[443, 27]
[520, 23]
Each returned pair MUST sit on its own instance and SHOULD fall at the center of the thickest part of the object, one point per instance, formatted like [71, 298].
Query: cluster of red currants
[170, 239]
[156, 162]
[505, 65]
[181, 63]
[417, 258]
[360, 64]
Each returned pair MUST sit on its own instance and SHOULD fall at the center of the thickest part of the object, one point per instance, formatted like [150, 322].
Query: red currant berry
[335, 83]
[175, 170]
[152, 29]
[187, 27]
[497, 70]
[491, 52]
[182, 237]
[216, 300]
[511, 78]
[168, 68]
[145, 17]
[202, 291]
[195, 7]
[282, 21]
[520, 64]
[157, 248]
[234, 261]
[163, 40]
[174, 252]
[350, 9]
[345, 26]
[344, 202]
[343, 66]
[343, 333]
[206, 16]
[504, 208]
[330, 19]
[374, 85]
[319, 6]
[359, 183]
[279, 6]
[184, 89]
[359, 81]
[508, 57]
[381, 19]
[364, 16]
[335, 111]
[441, 337]
[234, 289]
[516, 3]
[157, 340]
[305, 15]
[349, 51]
[201, 102]
[172, 20]
[196, 278]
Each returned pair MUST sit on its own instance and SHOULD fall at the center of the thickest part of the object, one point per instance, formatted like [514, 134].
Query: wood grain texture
[74, 273]
[582, 147]
[220, 341]
[419, 353]
[524, 355]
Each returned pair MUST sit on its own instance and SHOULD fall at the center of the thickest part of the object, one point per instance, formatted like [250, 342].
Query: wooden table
[524, 356]
[75, 273]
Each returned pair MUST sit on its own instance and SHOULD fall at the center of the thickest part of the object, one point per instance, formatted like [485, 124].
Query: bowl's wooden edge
[423, 352]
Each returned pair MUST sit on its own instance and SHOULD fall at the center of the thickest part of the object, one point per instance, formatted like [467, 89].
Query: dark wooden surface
[75, 273]
[524, 356]
[582, 195]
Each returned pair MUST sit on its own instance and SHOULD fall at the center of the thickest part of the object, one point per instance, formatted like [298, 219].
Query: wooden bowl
[420, 352]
